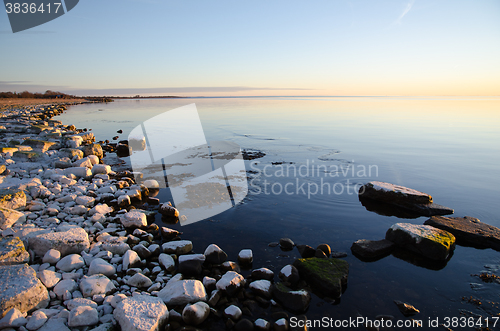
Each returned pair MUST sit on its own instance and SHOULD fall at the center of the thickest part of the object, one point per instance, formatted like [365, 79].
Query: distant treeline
[28, 95]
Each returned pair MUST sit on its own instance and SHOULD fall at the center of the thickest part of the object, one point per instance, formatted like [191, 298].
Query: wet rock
[262, 273]
[245, 256]
[209, 283]
[191, 264]
[21, 289]
[261, 287]
[70, 262]
[402, 197]
[215, 255]
[95, 284]
[372, 249]
[230, 282]
[72, 240]
[306, 251]
[182, 292]
[289, 275]
[12, 251]
[12, 198]
[196, 313]
[327, 277]
[141, 313]
[286, 244]
[325, 248]
[167, 210]
[262, 325]
[320, 254]
[294, 301]
[281, 325]
[83, 316]
[338, 255]
[406, 309]
[177, 247]
[468, 231]
[9, 217]
[233, 312]
[426, 240]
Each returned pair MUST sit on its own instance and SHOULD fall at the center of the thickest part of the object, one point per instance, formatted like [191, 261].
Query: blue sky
[415, 47]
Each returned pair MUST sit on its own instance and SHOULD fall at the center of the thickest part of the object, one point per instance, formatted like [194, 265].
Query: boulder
[295, 301]
[141, 313]
[327, 277]
[177, 247]
[21, 289]
[169, 234]
[12, 251]
[286, 244]
[181, 292]
[468, 231]
[8, 217]
[425, 240]
[95, 284]
[372, 249]
[71, 240]
[215, 255]
[230, 282]
[93, 149]
[261, 287]
[39, 145]
[74, 303]
[196, 313]
[12, 198]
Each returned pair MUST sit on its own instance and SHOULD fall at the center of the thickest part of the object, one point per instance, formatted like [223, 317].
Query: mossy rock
[12, 251]
[327, 277]
[295, 301]
[12, 198]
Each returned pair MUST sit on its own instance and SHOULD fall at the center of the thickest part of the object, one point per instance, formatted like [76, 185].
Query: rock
[167, 262]
[281, 325]
[215, 255]
[101, 209]
[412, 200]
[327, 277]
[12, 251]
[306, 251]
[182, 292]
[191, 264]
[12, 198]
[52, 256]
[261, 287]
[289, 275]
[233, 312]
[262, 273]
[123, 200]
[70, 262]
[130, 258]
[83, 316]
[294, 301]
[21, 289]
[406, 309]
[93, 149]
[13, 319]
[167, 210]
[196, 313]
[426, 240]
[74, 303]
[38, 318]
[115, 246]
[243, 325]
[325, 248]
[168, 233]
[63, 286]
[39, 145]
[141, 313]
[101, 169]
[55, 324]
[100, 266]
[230, 282]
[139, 280]
[95, 284]
[142, 251]
[177, 247]
[286, 244]
[79, 172]
[49, 278]
[134, 219]
[245, 256]
[372, 249]
[9, 217]
[468, 231]
[85, 200]
[72, 240]
[209, 283]
[262, 325]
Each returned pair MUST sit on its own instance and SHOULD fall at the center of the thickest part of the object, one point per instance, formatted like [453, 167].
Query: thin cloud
[407, 9]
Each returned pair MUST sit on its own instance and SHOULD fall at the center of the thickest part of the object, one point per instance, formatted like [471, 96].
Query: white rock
[134, 219]
[83, 316]
[101, 169]
[79, 172]
[167, 262]
[130, 258]
[101, 209]
[245, 256]
[181, 292]
[63, 286]
[141, 313]
[95, 284]
[70, 262]
[261, 287]
[233, 312]
[139, 280]
[49, 278]
[98, 217]
[72, 304]
[100, 266]
[178, 247]
[195, 314]
[262, 324]
[38, 318]
[85, 200]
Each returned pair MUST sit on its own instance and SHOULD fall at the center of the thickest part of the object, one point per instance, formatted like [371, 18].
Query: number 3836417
[32, 8]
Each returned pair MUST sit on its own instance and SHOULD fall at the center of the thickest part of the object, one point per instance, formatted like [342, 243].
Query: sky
[251, 48]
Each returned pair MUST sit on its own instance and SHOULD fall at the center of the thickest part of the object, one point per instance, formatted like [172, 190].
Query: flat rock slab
[327, 277]
[433, 243]
[12, 198]
[407, 199]
[12, 251]
[21, 289]
[372, 249]
[72, 241]
[141, 313]
[468, 230]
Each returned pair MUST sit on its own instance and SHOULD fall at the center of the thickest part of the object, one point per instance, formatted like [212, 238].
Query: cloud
[407, 9]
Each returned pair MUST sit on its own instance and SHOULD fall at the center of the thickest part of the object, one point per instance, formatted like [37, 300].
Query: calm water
[447, 147]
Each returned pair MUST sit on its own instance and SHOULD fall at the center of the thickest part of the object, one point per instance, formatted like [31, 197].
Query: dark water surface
[447, 147]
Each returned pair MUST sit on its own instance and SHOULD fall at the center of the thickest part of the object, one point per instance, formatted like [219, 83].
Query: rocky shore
[79, 249]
